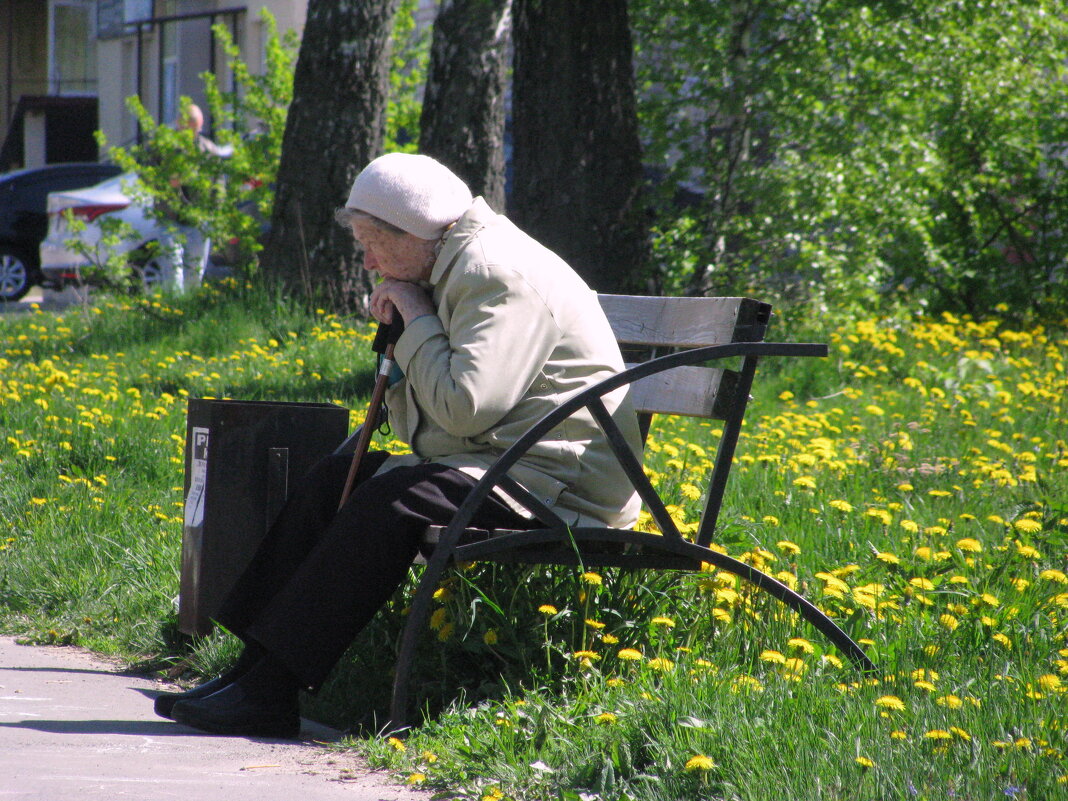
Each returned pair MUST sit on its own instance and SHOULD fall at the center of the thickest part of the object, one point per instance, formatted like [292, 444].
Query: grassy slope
[913, 485]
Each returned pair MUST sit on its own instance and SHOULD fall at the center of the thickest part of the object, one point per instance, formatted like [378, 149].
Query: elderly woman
[497, 330]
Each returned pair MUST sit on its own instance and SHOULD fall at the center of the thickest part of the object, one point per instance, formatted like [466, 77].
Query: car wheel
[148, 276]
[16, 274]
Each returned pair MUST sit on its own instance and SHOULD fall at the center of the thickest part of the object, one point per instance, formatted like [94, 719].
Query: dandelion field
[914, 485]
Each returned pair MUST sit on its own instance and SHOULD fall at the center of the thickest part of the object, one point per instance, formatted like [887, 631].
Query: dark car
[23, 221]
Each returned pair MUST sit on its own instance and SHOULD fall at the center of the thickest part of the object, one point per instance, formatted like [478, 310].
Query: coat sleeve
[500, 334]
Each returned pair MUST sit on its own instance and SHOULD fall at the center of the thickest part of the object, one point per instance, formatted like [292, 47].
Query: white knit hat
[415, 193]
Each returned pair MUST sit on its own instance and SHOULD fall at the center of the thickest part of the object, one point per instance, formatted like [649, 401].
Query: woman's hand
[409, 299]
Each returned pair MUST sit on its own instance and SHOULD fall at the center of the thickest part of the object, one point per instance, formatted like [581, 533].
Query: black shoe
[164, 702]
[236, 711]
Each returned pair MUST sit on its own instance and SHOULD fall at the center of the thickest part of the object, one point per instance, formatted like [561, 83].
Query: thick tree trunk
[577, 161]
[462, 123]
[335, 126]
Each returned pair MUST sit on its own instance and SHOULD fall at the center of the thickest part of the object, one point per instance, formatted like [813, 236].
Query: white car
[60, 265]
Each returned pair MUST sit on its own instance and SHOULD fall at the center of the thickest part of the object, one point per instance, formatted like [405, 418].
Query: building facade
[67, 67]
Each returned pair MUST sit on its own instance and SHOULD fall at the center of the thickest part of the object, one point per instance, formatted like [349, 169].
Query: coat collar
[453, 242]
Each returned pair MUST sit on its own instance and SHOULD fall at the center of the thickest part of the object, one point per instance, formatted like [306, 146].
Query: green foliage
[228, 198]
[855, 153]
[411, 52]
[111, 264]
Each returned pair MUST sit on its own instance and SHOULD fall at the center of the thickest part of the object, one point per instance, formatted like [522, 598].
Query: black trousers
[321, 574]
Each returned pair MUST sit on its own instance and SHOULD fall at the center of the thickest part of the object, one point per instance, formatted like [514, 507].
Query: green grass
[914, 485]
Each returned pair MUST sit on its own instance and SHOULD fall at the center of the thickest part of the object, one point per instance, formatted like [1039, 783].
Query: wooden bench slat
[685, 322]
[695, 391]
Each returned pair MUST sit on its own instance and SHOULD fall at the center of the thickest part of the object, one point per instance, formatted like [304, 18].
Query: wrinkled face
[403, 257]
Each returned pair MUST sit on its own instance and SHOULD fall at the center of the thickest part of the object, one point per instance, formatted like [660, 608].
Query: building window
[72, 47]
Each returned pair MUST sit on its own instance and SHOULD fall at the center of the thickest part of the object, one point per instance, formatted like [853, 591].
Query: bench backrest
[663, 325]
[656, 326]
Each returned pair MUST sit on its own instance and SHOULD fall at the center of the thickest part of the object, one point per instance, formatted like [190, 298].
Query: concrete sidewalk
[73, 726]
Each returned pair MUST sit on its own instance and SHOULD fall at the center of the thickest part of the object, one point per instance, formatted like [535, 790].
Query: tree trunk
[335, 126]
[577, 161]
[462, 123]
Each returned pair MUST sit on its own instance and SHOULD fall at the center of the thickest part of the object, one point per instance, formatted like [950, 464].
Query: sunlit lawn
[914, 485]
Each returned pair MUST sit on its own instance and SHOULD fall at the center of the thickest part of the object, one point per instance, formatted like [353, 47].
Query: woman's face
[403, 257]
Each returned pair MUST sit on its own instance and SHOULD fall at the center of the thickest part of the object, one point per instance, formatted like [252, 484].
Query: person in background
[185, 248]
[497, 331]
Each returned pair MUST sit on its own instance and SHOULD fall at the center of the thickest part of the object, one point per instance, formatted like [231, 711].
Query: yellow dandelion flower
[771, 520]
[746, 684]
[924, 685]
[547, 609]
[949, 622]
[630, 654]
[1053, 575]
[1003, 639]
[841, 506]
[699, 762]
[607, 719]
[807, 482]
[661, 664]
[939, 735]
[911, 526]
[594, 624]
[881, 515]
[864, 762]
[586, 655]
[898, 735]
[1027, 526]
[1027, 551]
[960, 733]
[666, 622]
[887, 558]
[773, 656]
[417, 778]
[593, 579]
[789, 547]
[1050, 682]
[969, 545]
[905, 487]
[437, 619]
[609, 639]
[890, 702]
[801, 644]
[950, 701]
[396, 744]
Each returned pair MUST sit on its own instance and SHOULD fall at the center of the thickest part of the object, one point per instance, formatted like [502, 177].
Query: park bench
[676, 338]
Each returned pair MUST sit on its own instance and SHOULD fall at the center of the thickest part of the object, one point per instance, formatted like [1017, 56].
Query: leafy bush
[852, 153]
[231, 198]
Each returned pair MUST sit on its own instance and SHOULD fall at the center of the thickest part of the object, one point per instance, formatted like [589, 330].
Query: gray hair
[345, 217]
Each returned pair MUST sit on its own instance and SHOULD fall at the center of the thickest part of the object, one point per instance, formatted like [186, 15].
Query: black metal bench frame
[557, 543]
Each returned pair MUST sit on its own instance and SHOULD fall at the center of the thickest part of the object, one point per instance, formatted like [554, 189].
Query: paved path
[75, 728]
[46, 299]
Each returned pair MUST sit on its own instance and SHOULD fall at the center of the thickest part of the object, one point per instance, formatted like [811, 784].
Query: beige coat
[516, 331]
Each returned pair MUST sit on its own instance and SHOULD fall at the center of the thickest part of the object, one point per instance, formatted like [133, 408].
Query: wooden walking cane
[385, 338]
